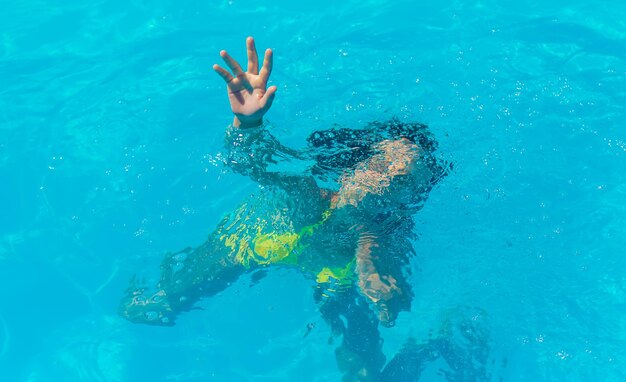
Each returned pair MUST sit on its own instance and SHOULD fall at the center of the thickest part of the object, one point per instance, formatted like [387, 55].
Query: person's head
[366, 161]
[339, 149]
[392, 159]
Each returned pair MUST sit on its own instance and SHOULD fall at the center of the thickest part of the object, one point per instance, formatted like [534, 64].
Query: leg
[410, 362]
[460, 352]
[359, 356]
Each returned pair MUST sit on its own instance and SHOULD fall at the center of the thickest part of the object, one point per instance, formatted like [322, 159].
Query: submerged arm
[256, 153]
[186, 276]
[379, 288]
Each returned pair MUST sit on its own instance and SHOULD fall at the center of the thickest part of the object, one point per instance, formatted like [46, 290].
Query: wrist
[246, 124]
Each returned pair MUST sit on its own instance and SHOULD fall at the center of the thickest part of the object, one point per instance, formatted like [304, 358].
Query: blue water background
[111, 123]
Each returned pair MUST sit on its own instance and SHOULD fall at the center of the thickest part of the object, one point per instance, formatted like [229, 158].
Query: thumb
[268, 97]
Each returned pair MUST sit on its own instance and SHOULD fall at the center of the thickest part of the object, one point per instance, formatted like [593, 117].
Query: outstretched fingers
[232, 64]
[223, 73]
[268, 97]
[253, 59]
[266, 70]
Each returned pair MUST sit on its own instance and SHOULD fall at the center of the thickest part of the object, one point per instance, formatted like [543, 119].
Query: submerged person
[344, 219]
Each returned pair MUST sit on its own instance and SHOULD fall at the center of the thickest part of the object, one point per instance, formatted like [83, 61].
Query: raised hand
[248, 94]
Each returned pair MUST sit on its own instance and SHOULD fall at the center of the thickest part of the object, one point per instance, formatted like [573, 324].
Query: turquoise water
[111, 126]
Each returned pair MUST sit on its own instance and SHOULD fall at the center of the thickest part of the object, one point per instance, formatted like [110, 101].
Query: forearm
[380, 289]
[254, 152]
[368, 277]
[249, 150]
[186, 276]
[189, 275]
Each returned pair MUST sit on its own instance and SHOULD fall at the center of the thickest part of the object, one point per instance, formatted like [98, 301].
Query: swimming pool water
[111, 126]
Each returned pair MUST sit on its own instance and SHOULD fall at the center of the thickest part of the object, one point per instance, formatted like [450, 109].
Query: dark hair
[340, 148]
